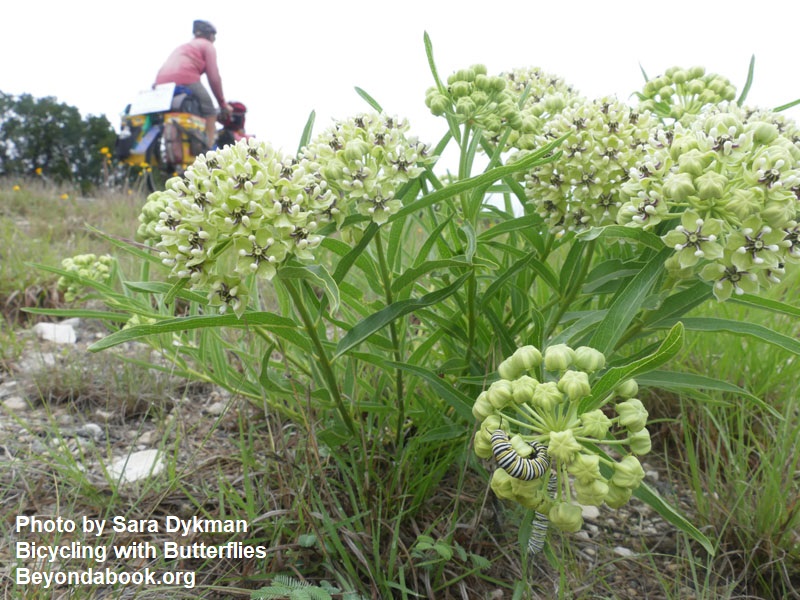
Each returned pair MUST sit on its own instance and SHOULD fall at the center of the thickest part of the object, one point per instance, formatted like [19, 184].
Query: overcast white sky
[284, 59]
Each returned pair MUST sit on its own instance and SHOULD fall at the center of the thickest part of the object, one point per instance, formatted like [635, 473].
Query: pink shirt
[188, 62]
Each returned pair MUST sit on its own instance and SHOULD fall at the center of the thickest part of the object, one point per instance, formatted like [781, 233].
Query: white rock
[216, 409]
[58, 333]
[590, 512]
[136, 466]
[15, 404]
[621, 551]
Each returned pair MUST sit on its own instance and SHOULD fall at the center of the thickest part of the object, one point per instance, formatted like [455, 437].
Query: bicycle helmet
[203, 28]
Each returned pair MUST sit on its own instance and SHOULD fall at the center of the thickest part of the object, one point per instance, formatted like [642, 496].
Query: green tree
[52, 138]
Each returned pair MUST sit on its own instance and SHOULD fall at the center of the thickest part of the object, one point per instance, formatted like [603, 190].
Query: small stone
[146, 439]
[15, 404]
[136, 466]
[651, 475]
[590, 513]
[91, 431]
[621, 551]
[216, 409]
[57, 333]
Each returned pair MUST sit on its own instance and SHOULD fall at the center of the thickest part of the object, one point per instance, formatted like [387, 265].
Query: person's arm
[212, 73]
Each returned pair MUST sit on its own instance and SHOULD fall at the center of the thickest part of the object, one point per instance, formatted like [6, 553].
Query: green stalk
[398, 356]
[324, 363]
[575, 290]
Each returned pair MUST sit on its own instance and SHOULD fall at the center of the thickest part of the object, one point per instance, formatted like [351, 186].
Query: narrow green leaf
[765, 303]
[305, 137]
[377, 321]
[524, 222]
[429, 243]
[753, 330]
[646, 238]
[316, 275]
[650, 497]
[681, 382]
[276, 324]
[369, 99]
[668, 349]
[158, 287]
[541, 156]
[787, 106]
[432, 63]
[412, 274]
[679, 304]
[461, 403]
[625, 306]
[472, 243]
[644, 74]
[748, 82]
[78, 313]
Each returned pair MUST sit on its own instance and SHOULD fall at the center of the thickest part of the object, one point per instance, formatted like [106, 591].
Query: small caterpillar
[532, 467]
[540, 522]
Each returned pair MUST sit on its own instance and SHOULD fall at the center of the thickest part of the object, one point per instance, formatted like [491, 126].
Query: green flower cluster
[472, 96]
[150, 216]
[540, 96]
[85, 266]
[681, 93]
[235, 212]
[539, 397]
[363, 161]
[606, 139]
[729, 181]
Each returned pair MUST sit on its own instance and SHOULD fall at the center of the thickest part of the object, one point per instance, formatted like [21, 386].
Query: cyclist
[188, 62]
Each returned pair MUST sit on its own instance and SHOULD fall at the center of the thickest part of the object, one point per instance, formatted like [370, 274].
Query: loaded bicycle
[162, 132]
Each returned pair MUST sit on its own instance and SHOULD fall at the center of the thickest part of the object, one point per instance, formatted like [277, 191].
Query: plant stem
[398, 356]
[322, 356]
[566, 302]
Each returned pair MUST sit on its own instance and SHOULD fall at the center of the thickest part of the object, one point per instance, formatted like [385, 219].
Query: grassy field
[363, 520]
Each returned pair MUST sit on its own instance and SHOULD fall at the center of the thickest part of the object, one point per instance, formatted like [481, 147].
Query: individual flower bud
[558, 357]
[459, 89]
[589, 360]
[491, 424]
[627, 389]
[438, 103]
[640, 442]
[523, 360]
[632, 415]
[547, 396]
[764, 133]
[594, 424]
[520, 446]
[482, 445]
[585, 468]
[527, 493]
[356, 149]
[482, 407]
[501, 484]
[711, 185]
[563, 446]
[575, 384]
[617, 496]
[522, 389]
[567, 517]
[499, 394]
[591, 494]
[628, 473]
[678, 186]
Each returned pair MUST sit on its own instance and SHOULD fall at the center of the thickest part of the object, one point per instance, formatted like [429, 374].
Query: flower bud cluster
[472, 96]
[540, 96]
[729, 183]
[364, 161]
[85, 266]
[236, 212]
[538, 398]
[606, 139]
[682, 93]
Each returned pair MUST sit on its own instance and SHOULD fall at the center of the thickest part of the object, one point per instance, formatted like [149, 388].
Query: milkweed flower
[362, 162]
[727, 181]
[555, 410]
[236, 212]
[605, 139]
[84, 267]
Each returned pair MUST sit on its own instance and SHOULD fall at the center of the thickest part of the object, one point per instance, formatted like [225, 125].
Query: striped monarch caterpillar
[532, 467]
[540, 522]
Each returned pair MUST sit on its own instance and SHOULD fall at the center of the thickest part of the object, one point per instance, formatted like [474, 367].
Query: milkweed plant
[533, 285]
